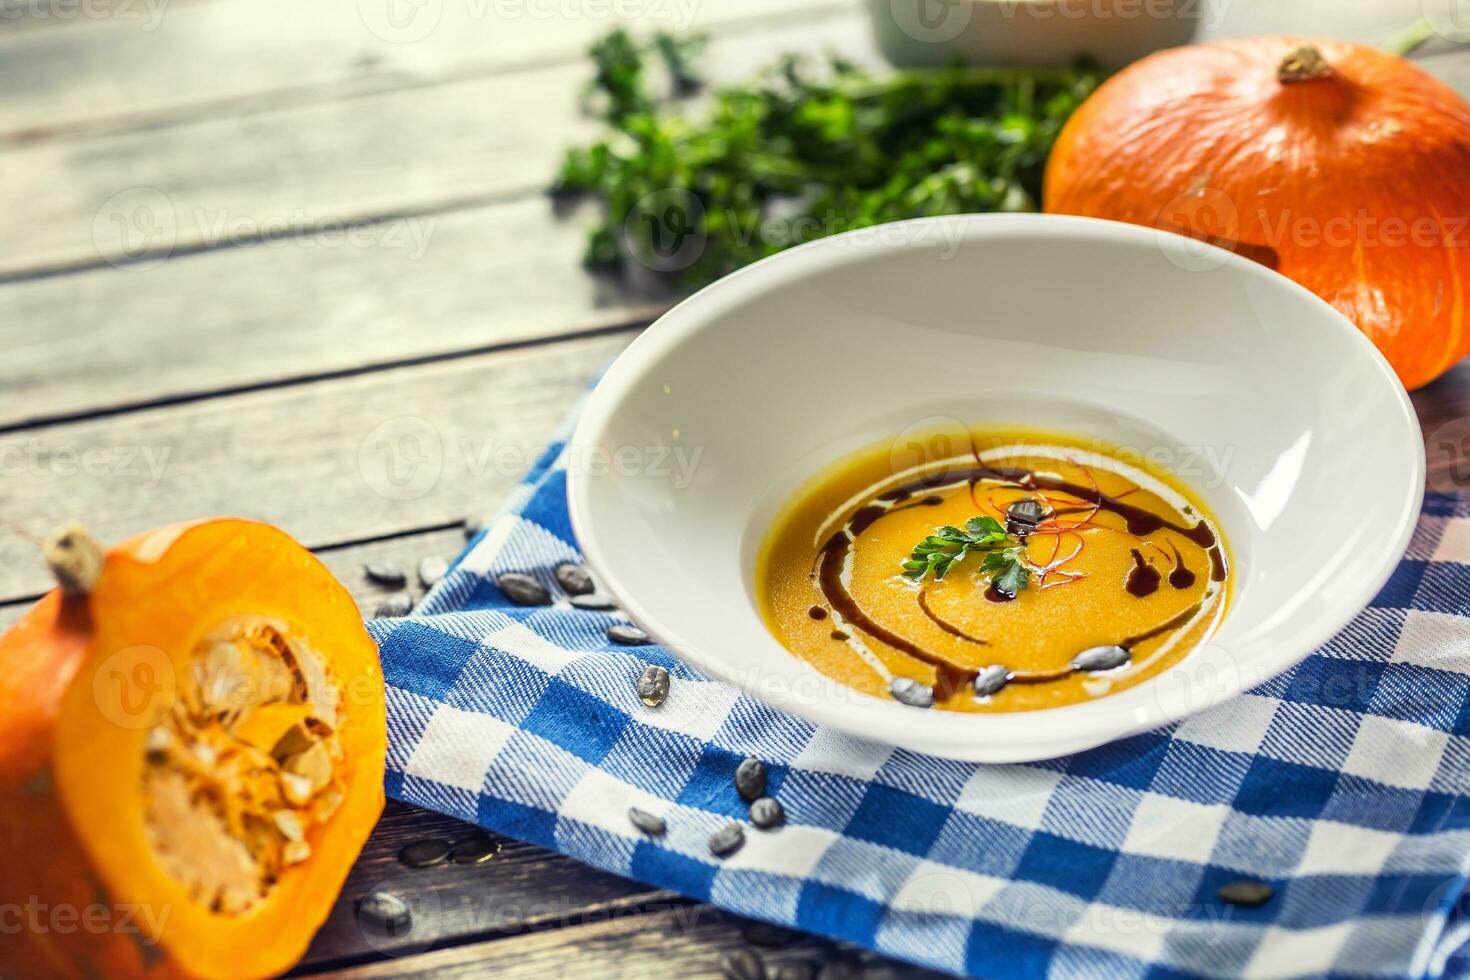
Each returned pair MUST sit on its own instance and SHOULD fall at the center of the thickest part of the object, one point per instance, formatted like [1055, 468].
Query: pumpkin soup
[1035, 570]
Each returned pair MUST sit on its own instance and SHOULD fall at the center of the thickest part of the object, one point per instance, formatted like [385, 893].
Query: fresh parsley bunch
[802, 151]
[948, 546]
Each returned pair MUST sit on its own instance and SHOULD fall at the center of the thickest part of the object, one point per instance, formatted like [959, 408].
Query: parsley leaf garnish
[947, 546]
[803, 149]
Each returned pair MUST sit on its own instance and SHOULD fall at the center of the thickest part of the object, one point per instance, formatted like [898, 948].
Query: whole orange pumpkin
[1341, 166]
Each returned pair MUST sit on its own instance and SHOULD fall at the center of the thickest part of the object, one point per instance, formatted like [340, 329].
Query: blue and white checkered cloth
[1343, 783]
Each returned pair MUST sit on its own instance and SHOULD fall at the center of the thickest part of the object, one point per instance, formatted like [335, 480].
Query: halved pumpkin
[192, 738]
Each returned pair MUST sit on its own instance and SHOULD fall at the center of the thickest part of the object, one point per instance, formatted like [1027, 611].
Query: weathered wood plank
[1444, 414]
[1367, 21]
[523, 887]
[678, 942]
[308, 171]
[224, 320]
[346, 460]
[304, 170]
[232, 56]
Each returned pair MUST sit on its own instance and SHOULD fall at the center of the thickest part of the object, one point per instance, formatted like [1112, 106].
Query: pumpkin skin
[1353, 180]
[73, 824]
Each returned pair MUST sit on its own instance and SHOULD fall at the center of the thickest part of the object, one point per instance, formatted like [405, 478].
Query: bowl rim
[985, 737]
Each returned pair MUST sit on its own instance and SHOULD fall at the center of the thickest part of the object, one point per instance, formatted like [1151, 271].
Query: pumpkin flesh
[215, 760]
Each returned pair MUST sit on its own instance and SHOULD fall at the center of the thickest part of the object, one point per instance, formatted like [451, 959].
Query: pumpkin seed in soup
[1027, 570]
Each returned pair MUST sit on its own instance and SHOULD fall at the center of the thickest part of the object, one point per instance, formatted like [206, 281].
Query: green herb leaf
[948, 546]
[1007, 572]
[802, 151]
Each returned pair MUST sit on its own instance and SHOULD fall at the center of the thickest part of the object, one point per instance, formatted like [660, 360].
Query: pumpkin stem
[75, 559]
[1305, 64]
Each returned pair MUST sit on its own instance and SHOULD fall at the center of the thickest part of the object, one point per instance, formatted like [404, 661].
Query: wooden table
[249, 241]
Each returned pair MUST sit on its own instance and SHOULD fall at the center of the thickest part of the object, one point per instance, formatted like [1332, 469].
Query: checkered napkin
[1343, 784]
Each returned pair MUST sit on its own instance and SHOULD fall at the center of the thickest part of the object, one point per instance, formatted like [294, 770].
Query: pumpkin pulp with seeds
[244, 764]
[1032, 570]
[192, 735]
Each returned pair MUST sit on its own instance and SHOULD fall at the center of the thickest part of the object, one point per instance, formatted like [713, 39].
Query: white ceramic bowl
[935, 33]
[1270, 404]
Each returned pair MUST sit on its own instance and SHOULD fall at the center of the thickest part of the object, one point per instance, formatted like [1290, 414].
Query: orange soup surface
[1033, 571]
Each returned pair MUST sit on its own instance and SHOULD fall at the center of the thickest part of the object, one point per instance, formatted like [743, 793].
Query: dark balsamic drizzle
[950, 678]
[1181, 577]
[1143, 578]
[944, 624]
[995, 594]
[1166, 627]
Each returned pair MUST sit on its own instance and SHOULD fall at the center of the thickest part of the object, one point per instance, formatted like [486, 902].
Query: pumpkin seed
[395, 605]
[593, 602]
[648, 823]
[796, 971]
[425, 853]
[742, 964]
[431, 570]
[289, 824]
[768, 934]
[1246, 892]
[627, 634]
[750, 780]
[575, 579]
[523, 590]
[314, 764]
[842, 968]
[251, 685]
[385, 573]
[385, 913]
[991, 680]
[653, 685]
[476, 850]
[727, 841]
[767, 813]
[908, 691]
[298, 790]
[1100, 658]
[1023, 516]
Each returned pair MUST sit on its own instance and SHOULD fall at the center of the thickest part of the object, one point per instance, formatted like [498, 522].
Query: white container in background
[1112, 33]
